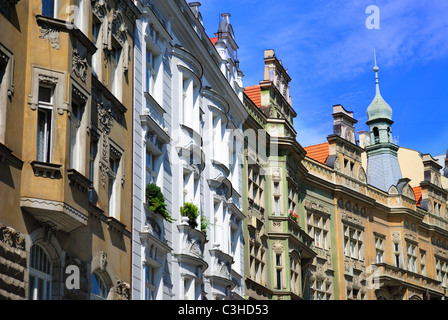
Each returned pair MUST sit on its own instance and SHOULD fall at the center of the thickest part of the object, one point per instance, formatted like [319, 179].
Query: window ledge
[78, 180]
[46, 169]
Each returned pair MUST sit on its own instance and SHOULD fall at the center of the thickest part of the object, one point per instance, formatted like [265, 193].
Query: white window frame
[411, 253]
[40, 258]
[150, 285]
[78, 13]
[93, 159]
[353, 243]
[6, 88]
[114, 182]
[379, 249]
[45, 108]
[114, 76]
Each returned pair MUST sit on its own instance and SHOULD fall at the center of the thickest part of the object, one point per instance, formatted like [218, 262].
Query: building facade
[377, 213]
[187, 138]
[66, 111]
[135, 165]
[278, 252]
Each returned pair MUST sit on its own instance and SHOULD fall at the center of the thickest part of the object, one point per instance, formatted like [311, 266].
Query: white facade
[188, 116]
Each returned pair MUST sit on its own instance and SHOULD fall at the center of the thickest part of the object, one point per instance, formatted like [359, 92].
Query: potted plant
[191, 211]
[156, 201]
[204, 223]
[293, 215]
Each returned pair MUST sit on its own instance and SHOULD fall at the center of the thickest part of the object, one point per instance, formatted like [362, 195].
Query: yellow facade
[384, 244]
[66, 144]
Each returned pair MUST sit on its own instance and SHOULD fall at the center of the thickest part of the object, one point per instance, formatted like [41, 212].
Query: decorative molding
[51, 34]
[79, 65]
[46, 169]
[12, 237]
[278, 246]
[78, 180]
[103, 260]
[123, 290]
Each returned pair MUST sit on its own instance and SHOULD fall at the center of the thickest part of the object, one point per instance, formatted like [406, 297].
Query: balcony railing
[407, 278]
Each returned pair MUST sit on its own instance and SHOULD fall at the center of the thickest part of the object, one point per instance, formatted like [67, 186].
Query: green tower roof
[378, 108]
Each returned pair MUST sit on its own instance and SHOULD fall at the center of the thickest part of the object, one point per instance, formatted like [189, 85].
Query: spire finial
[375, 69]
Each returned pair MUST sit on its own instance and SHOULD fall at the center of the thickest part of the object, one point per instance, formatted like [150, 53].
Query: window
[49, 8]
[187, 101]
[278, 269]
[376, 135]
[150, 289]
[78, 13]
[96, 34]
[99, 290]
[379, 249]
[75, 134]
[114, 75]
[423, 262]
[441, 271]
[255, 187]
[40, 274]
[6, 86]
[397, 255]
[292, 199]
[353, 243]
[320, 290]
[257, 261]
[411, 253]
[92, 167]
[295, 275]
[44, 123]
[151, 72]
[150, 170]
[114, 163]
[277, 206]
[318, 228]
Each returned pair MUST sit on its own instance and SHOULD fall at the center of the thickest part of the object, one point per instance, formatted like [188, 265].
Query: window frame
[54, 10]
[46, 109]
[36, 274]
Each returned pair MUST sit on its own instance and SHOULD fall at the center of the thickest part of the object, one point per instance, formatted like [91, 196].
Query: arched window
[376, 134]
[40, 274]
[99, 289]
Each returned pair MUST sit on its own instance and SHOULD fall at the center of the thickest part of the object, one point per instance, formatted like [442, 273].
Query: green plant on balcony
[204, 223]
[156, 201]
[191, 211]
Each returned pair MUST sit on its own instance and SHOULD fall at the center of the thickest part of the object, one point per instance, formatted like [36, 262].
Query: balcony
[390, 276]
[220, 273]
[59, 214]
[191, 246]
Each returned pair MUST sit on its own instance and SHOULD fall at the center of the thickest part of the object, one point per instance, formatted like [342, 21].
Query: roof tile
[318, 152]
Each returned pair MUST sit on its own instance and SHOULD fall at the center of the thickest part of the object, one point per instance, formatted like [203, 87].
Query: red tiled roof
[318, 152]
[254, 94]
[213, 40]
[418, 195]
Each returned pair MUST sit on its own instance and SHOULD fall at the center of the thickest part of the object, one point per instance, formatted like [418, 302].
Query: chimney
[431, 170]
[194, 6]
[344, 123]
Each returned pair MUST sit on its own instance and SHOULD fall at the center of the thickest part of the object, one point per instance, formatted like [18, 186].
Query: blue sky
[328, 52]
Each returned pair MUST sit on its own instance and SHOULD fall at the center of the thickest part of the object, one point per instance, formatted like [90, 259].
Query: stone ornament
[50, 34]
[79, 65]
[11, 237]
